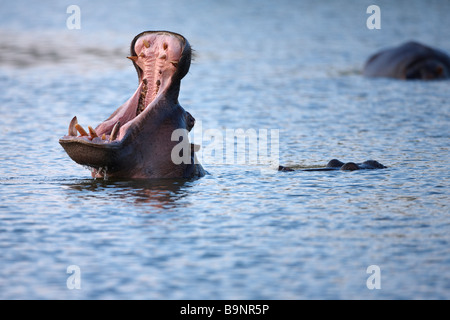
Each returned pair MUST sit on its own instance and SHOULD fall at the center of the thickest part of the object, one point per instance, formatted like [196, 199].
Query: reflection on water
[158, 193]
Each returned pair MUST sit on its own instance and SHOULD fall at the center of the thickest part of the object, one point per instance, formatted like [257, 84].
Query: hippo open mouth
[136, 140]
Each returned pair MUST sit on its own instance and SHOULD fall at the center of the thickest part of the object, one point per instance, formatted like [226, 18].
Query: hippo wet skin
[409, 61]
[136, 140]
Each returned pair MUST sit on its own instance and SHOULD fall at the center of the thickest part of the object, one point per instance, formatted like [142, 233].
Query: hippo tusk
[114, 131]
[72, 129]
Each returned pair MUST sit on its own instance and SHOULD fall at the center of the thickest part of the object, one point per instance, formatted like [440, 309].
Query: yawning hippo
[135, 141]
[339, 165]
[411, 60]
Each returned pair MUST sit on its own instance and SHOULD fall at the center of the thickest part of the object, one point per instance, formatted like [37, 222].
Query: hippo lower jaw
[135, 141]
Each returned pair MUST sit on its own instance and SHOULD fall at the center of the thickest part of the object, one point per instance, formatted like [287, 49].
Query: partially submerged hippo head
[136, 140]
[409, 61]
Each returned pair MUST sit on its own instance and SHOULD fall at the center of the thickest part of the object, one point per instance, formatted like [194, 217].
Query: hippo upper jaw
[135, 141]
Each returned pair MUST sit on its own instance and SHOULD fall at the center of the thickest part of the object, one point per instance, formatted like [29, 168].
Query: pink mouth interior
[157, 55]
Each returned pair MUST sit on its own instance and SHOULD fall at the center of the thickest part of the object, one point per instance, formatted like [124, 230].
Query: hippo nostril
[165, 46]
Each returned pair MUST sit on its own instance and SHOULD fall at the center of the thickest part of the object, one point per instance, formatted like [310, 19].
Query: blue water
[241, 232]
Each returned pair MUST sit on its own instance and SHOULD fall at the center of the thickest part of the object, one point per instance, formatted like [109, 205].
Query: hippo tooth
[92, 132]
[163, 56]
[114, 131]
[133, 58]
[81, 130]
[72, 129]
[146, 44]
[103, 136]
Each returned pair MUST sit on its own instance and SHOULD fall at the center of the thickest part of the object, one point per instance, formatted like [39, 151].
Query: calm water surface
[241, 232]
